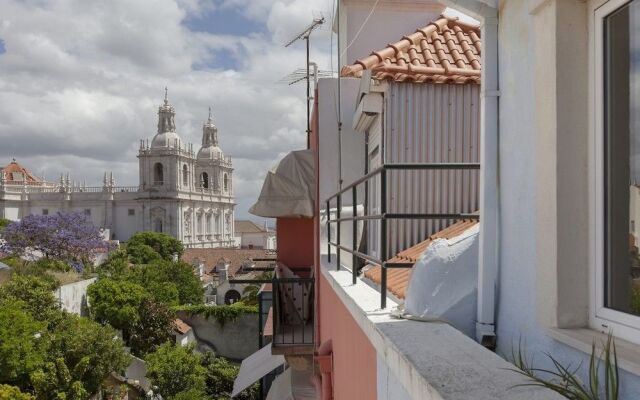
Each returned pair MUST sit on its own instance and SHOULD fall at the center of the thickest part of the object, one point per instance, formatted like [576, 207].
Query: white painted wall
[389, 387]
[544, 118]
[73, 296]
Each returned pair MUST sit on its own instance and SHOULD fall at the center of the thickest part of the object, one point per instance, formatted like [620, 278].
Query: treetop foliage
[165, 245]
[65, 236]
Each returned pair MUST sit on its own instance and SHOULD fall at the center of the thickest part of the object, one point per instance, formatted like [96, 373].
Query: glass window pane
[622, 158]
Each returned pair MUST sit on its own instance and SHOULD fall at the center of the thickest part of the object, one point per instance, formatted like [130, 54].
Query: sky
[81, 82]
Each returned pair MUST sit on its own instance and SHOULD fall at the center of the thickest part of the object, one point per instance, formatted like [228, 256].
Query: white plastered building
[185, 194]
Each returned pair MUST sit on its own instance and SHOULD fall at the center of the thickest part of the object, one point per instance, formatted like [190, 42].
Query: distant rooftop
[246, 226]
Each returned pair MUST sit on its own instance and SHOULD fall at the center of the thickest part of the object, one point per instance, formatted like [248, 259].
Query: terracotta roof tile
[16, 173]
[398, 278]
[445, 51]
[235, 258]
[181, 326]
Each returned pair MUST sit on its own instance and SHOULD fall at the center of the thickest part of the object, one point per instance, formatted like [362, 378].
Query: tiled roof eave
[444, 51]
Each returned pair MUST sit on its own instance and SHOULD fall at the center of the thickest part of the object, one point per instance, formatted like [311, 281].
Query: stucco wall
[73, 296]
[354, 357]
[531, 235]
[236, 340]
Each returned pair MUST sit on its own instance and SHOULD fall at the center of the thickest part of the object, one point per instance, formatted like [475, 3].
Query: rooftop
[181, 326]
[246, 226]
[398, 278]
[444, 51]
[16, 173]
[233, 257]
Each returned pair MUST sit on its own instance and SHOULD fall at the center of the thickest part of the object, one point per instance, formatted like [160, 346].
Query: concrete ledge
[431, 360]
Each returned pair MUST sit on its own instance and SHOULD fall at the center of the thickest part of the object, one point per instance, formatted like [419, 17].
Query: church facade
[184, 193]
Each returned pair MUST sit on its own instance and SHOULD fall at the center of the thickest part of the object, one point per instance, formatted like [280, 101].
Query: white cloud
[80, 84]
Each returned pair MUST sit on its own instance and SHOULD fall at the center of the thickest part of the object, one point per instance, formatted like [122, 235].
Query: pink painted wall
[354, 357]
[295, 241]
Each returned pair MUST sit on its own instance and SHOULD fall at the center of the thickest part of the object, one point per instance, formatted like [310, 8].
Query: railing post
[383, 238]
[338, 251]
[354, 236]
[276, 308]
[328, 231]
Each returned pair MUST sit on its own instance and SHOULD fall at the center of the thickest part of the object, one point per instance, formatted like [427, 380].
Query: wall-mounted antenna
[304, 35]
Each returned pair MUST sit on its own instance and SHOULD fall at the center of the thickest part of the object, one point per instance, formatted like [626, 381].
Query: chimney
[223, 270]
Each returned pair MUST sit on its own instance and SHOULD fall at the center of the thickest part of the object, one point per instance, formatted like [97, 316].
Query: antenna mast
[304, 35]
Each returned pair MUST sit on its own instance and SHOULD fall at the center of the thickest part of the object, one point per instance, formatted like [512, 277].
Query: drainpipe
[489, 187]
[487, 12]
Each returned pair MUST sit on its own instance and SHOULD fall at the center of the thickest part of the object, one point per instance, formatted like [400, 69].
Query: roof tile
[445, 51]
[398, 278]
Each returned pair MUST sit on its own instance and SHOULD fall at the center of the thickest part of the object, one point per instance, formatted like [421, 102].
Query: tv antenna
[304, 35]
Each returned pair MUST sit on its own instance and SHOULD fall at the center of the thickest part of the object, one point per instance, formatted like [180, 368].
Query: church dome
[165, 139]
[210, 149]
[210, 153]
[166, 136]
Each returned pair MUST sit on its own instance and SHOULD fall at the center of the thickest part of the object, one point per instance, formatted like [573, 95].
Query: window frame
[601, 318]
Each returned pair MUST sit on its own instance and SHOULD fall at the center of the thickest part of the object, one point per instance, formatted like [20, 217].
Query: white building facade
[185, 194]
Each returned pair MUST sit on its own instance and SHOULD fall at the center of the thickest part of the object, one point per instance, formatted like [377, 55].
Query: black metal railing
[293, 307]
[293, 311]
[383, 216]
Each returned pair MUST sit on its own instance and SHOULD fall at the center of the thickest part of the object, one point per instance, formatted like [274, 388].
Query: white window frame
[623, 325]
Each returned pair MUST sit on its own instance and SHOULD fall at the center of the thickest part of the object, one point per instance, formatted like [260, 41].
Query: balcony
[293, 316]
[363, 221]
[291, 320]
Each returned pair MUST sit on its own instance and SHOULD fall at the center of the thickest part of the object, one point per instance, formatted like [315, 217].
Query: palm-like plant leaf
[564, 379]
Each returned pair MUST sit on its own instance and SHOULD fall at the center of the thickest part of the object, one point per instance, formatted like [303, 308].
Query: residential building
[184, 193]
[183, 333]
[249, 235]
[551, 267]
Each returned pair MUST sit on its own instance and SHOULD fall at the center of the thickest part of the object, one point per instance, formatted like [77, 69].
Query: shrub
[13, 393]
[163, 244]
[222, 314]
[175, 370]
[116, 302]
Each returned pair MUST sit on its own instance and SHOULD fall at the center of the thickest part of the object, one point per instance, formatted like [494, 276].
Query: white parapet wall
[73, 296]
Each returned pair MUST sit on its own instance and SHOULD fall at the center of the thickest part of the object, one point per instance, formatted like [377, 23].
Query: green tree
[163, 244]
[220, 377]
[154, 328]
[174, 370]
[36, 292]
[13, 393]
[165, 278]
[23, 348]
[81, 355]
[4, 222]
[141, 253]
[116, 302]
[116, 265]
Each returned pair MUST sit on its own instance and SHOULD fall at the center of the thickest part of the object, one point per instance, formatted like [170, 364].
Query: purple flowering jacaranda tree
[64, 236]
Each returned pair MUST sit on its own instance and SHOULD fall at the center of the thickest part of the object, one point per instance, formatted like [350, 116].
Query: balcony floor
[293, 339]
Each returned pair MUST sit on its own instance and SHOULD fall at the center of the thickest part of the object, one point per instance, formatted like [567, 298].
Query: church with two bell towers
[181, 192]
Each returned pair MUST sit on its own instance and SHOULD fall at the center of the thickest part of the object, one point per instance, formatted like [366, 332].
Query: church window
[158, 174]
[205, 180]
[185, 175]
[225, 183]
[131, 212]
[157, 225]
